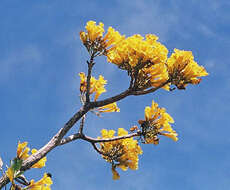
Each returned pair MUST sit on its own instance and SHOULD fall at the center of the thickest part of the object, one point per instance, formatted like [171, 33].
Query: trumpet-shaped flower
[10, 173]
[154, 76]
[109, 108]
[93, 31]
[42, 184]
[116, 175]
[93, 37]
[97, 86]
[23, 154]
[183, 69]
[112, 38]
[121, 153]
[136, 50]
[157, 122]
[41, 163]
[22, 151]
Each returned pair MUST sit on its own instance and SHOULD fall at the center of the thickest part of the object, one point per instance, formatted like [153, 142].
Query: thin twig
[112, 99]
[137, 93]
[95, 140]
[97, 149]
[90, 67]
[55, 140]
[82, 124]
[131, 82]
[22, 180]
[4, 180]
[136, 71]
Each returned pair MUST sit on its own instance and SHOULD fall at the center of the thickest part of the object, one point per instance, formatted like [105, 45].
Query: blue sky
[41, 56]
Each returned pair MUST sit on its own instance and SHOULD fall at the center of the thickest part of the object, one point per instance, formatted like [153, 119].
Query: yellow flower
[22, 154]
[22, 151]
[109, 108]
[156, 122]
[41, 163]
[94, 31]
[183, 69]
[43, 183]
[112, 38]
[148, 55]
[136, 50]
[83, 37]
[173, 135]
[116, 175]
[95, 42]
[96, 86]
[107, 134]
[155, 75]
[121, 153]
[83, 83]
[10, 174]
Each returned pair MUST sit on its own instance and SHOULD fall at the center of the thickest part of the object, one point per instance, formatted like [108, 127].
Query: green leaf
[16, 164]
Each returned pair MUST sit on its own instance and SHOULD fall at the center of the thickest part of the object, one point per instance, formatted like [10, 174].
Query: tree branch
[95, 140]
[97, 149]
[70, 139]
[58, 138]
[4, 180]
[82, 124]
[90, 67]
[55, 140]
[112, 99]
[137, 93]
[34, 158]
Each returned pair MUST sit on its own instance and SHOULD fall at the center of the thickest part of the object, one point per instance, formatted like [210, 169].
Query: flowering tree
[147, 64]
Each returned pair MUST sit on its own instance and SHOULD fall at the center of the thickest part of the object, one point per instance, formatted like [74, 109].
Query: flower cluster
[136, 50]
[183, 69]
[23, 154]
[14, 171]
[120, 153]
[145, 59]
[97, 87]
[95, 42]
[157, 122]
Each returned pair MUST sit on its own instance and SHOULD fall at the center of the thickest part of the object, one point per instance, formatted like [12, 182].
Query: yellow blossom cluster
[23, 154]
[93, 31]
[23, 151]
[157, 122]
[183, 69]
[96, 86]
[136, 50]
[42, 184]
[95, 42]
[121, 153]
[145, 56]
[155, 75]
